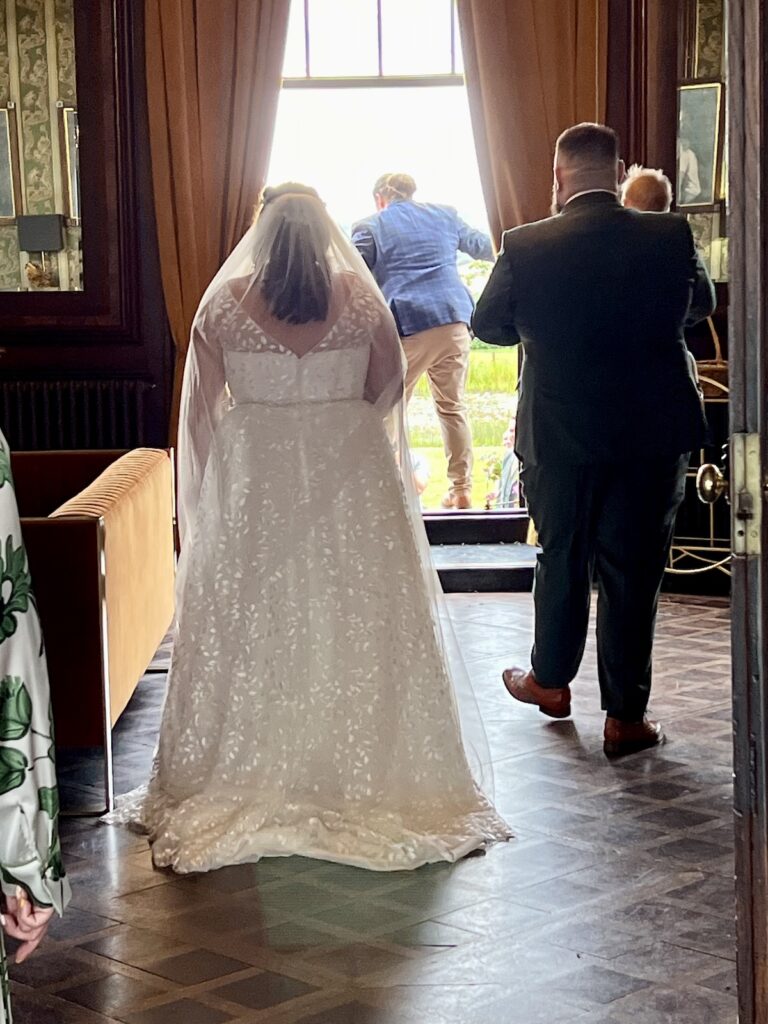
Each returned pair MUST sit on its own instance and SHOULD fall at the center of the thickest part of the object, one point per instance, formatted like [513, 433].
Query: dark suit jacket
[599, 297]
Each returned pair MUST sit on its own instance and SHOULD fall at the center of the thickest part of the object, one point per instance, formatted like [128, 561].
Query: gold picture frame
[699, 145]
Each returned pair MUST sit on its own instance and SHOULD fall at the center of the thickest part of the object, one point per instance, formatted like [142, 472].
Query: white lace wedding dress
[309, 708]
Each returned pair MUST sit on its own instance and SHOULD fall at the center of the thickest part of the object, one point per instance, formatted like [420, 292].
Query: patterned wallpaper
[9, 253]
[706, 61]
[5, 59]
[37, 69]
[65, 50]
[709, 39]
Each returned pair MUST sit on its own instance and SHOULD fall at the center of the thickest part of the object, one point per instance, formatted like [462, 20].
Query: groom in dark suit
[609, 412]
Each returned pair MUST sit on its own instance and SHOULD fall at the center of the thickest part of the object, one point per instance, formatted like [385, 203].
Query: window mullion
[452, 13]
[453, 77]
[306, 38]
[379, 29]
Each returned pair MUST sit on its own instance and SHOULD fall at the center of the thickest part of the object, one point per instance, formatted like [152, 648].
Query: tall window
[372, 86]
[376, 86]
[372, 39]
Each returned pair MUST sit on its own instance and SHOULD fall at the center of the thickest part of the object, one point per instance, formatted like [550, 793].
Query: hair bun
[288, 188]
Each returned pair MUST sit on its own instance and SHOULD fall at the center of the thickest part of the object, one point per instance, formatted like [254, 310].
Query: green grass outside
[491, 387]
[491, 390]
[490, 370]
[437, 487]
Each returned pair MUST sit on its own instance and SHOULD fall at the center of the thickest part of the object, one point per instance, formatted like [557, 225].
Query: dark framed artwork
[699, 145]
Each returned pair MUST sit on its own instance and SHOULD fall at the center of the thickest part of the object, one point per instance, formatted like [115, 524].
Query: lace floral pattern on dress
[310, 710]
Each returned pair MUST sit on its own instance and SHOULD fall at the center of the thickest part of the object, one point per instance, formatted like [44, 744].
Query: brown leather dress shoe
[622, 738]
[522, 686]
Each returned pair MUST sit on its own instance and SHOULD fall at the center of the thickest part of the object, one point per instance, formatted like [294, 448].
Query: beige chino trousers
[443, 354]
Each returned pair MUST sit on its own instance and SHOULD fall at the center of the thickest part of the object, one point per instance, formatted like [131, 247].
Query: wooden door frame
[748, 231]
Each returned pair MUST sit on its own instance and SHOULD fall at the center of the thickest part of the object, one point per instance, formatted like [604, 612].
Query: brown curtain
[213, 82]
[533, 68]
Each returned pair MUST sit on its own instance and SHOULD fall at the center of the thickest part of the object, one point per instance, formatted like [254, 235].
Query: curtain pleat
[533, 67]
[213, 81]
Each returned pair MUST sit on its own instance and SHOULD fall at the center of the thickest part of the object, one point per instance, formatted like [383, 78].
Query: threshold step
[476, 527]
[484, 556]
[486, 568]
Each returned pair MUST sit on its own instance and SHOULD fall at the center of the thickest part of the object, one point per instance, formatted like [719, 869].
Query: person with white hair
[647, 189]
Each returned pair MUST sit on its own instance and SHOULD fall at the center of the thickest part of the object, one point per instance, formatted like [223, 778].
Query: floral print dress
[30, 856]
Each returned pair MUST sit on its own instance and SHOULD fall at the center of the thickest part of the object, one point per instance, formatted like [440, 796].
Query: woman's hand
[25, 922]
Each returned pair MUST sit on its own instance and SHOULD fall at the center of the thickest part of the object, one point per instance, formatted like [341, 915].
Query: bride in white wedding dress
[310, 708]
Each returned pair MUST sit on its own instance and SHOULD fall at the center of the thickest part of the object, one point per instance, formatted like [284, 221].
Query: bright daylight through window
[376, 87]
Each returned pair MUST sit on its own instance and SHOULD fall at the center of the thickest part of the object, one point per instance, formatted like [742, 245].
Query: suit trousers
[443, 354]
[612, 523]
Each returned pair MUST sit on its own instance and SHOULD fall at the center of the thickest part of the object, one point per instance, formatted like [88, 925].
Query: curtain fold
[533, 67]
[213, 82]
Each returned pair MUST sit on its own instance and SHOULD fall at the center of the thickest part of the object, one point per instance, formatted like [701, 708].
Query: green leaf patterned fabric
[5, 468]
[30, 853]
[48, 797]
[15, 581]
[15, 709]
[13, 768]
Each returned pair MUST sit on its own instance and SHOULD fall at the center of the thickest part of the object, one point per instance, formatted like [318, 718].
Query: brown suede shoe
[622, 738]
[522, 686]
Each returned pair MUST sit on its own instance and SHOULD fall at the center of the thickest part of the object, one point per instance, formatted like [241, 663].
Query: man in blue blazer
[411, 250]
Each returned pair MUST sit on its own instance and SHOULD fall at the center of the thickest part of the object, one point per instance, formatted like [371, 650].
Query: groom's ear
[621, 171]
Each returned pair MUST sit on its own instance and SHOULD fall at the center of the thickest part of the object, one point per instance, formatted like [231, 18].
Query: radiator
[67, 414]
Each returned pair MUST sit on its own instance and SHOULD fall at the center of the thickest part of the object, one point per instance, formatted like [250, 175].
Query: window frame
[380, 80]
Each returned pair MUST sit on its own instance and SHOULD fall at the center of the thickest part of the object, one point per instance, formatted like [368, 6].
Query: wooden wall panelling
[116, 327]
[642, 79]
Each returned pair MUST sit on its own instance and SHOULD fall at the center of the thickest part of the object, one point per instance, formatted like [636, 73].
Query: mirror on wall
[8, 164]
[40, 215]
[702, 136]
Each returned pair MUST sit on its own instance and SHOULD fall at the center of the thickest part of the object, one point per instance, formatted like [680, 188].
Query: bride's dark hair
[297, 290]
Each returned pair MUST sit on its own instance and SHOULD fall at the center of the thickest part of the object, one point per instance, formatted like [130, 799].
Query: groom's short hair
[395, 186]
[588, 144]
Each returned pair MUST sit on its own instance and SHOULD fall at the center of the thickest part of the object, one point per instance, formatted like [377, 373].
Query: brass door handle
[710, 483]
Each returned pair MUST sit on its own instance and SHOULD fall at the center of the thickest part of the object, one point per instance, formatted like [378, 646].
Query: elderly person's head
[647, 189]
[586, 159]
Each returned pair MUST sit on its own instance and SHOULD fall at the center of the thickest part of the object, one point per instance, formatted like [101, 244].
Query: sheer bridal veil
[291, 275]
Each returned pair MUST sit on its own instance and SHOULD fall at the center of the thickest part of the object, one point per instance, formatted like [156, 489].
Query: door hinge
[746, 494]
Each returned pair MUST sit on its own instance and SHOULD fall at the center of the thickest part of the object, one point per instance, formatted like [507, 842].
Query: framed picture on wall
[708, 231]
[9, 166]
[699, 145]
